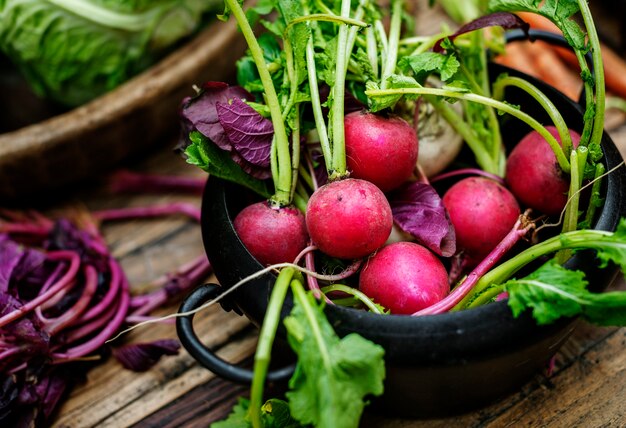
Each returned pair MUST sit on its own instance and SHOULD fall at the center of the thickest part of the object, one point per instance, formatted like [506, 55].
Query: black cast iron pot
[438, 364]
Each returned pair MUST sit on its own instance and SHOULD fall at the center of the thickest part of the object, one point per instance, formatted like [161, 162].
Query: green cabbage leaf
[72, 51]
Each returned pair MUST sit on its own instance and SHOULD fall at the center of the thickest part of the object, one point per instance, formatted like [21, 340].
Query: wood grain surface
[587, 387]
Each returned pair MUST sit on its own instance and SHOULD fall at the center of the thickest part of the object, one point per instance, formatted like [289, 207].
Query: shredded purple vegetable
[63, 295]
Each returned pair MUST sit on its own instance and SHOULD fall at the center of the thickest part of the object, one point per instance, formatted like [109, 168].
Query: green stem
[316, 106]
[578, 159]
[356, 22]
[390, 59]
[425, 43]
[300, 202]
[295, 149]
[465, 130]
[496, 150]
[321, 6]
[570, 220]
[338, 168]
[543, 100]
[598, 72]
[585, 135]
[382, 37]
[358, 16]
[372, 49]
[595, 194]
[592, 239]
[264, 346]
[485, 297]
[282, 179]
[300, 295]
[305, 176]
[362, 297]
[498, 105]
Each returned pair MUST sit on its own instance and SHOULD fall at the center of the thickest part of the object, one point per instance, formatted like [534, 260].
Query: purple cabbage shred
[63, 295]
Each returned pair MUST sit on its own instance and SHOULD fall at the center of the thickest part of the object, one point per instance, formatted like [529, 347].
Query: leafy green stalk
[358, 295]
[372, 49]
[338, 164]
[494, 159]
[283, 176]
[465, 130]
[552, 292]
[596, 199]
[390, 59]
[266, 340]
[498, 93]
[560, 12]
[578, 160]
[462, 95]
[327, 17]
[333, 375]
[598, 70]
[610, 246]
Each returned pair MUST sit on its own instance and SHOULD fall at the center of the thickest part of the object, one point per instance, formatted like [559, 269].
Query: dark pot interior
[442, 364]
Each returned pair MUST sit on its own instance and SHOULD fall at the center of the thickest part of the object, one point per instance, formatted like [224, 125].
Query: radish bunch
[343, 102]
[346, 96]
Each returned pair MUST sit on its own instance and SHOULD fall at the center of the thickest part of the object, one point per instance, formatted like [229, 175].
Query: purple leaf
[10, 256]
[506, 20]
[249, 132]
[30, 274]
[140, 357]
[24, 334]
[249, 168]
[418, 210]
[200, 112]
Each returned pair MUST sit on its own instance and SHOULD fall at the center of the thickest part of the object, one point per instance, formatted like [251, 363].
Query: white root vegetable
[439, 144]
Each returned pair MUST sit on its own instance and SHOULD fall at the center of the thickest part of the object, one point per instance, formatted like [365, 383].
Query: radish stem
[498, 93]
[281, 161]
[533, 123]
[264, 347]
[338, 165]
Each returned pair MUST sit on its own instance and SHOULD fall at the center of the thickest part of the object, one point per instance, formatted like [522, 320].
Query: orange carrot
[614, 65]
[538, 60]
[554, 72]
[517, 57]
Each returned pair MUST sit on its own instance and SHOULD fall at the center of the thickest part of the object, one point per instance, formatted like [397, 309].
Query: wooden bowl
[46, 157]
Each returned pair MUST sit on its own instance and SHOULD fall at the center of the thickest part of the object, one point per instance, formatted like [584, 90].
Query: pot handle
[553, 39]
[206, 357]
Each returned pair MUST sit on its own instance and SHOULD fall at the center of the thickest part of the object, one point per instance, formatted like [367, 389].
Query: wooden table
[587, 387]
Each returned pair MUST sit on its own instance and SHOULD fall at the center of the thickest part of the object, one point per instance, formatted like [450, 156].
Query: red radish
[534, 176]
[381, 150]
[482, 212]
[404, 277]
[272, 235]
[348, 219]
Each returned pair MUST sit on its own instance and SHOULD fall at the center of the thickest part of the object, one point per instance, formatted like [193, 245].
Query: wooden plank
[109, 388]
[159, 397]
